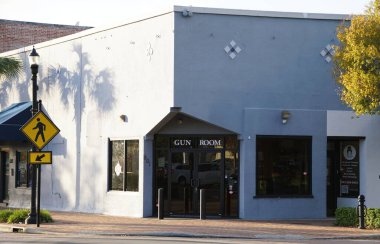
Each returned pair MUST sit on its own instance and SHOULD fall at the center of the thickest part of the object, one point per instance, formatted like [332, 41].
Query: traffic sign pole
[40, 130]
[32, 215]
[39, 182]
[39, 195]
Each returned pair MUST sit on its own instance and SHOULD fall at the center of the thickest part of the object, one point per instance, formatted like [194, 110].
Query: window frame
[124, 165]
[309, 149]
[28, 171]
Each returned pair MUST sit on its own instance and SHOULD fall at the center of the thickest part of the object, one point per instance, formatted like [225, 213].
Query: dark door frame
[333, 180]
[334, 171]
[2, 175]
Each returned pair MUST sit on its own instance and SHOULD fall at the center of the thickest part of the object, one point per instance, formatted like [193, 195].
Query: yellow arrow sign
[40, 130]
[40, 157]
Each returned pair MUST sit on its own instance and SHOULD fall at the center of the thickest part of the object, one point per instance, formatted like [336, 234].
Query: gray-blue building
[239, 103]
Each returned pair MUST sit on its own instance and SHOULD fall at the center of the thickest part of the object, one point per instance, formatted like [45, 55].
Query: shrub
[4, 215]
[18, 216]
[346, 217]
[372, 219]
[45, 216]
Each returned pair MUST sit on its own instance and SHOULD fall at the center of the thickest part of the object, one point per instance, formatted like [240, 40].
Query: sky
[105, 12]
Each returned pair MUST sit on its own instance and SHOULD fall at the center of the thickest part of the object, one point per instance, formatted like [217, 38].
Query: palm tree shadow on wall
[73, 87]
[20, 85]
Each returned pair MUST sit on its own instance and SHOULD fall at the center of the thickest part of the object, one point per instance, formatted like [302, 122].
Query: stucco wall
[279, 65]
[86, 82]
[268, 122]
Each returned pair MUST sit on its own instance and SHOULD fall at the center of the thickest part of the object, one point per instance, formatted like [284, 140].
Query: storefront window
[22, 169]
[124, 165]
[283, 166]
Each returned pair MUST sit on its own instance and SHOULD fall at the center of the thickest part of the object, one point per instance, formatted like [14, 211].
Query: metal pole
[32, 216]
[39, 183]
[160, 203]
[38, 195]
[361, 211]
[202, 204]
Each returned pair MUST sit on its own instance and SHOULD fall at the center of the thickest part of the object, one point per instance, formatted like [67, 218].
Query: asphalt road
[62, 239]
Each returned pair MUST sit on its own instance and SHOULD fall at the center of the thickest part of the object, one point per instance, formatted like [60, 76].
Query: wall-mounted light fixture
[187, 13]
[123, 117]
[180, 121]
[285, 115]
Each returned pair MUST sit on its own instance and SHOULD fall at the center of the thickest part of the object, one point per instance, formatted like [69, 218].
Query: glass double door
[190, 172]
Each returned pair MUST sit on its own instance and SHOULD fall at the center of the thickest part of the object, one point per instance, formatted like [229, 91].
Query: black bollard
[202, 204]
[160, 203]
[361, 211]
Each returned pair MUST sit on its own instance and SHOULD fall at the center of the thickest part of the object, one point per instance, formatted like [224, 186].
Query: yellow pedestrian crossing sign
[40, 130]
[40, 157]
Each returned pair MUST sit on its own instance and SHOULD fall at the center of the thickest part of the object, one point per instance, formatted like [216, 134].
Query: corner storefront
[248, 113]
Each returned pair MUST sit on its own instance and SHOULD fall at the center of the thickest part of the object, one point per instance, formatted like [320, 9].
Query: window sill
[283, 197]
[122, 192]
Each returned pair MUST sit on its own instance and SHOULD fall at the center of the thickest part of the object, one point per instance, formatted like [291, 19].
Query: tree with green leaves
[10, 67]
[357, 61]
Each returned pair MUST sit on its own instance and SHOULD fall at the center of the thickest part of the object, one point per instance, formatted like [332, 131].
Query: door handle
[194, 183]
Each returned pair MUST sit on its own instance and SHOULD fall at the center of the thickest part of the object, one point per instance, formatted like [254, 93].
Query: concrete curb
[14, 228]
[35, 230]
[32, 230]
[188, 235]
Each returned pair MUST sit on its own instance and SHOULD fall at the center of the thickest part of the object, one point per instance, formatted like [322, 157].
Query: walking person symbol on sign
[40, 130]
[41, 127]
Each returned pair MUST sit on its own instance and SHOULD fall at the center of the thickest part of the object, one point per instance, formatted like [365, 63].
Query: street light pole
[33, 60]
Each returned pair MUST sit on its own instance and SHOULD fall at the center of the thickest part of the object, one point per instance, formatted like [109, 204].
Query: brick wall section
[17, 34]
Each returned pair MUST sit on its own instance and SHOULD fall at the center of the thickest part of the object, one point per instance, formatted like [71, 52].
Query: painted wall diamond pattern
[232, 49]
[328, 52]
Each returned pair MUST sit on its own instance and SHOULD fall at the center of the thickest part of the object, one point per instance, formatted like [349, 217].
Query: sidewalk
[95, 224]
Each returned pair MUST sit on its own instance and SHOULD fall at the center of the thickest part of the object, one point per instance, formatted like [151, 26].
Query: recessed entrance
[186, 164]
[343, 161]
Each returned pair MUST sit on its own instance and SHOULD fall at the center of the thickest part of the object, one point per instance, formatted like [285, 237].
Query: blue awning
[12, 119]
